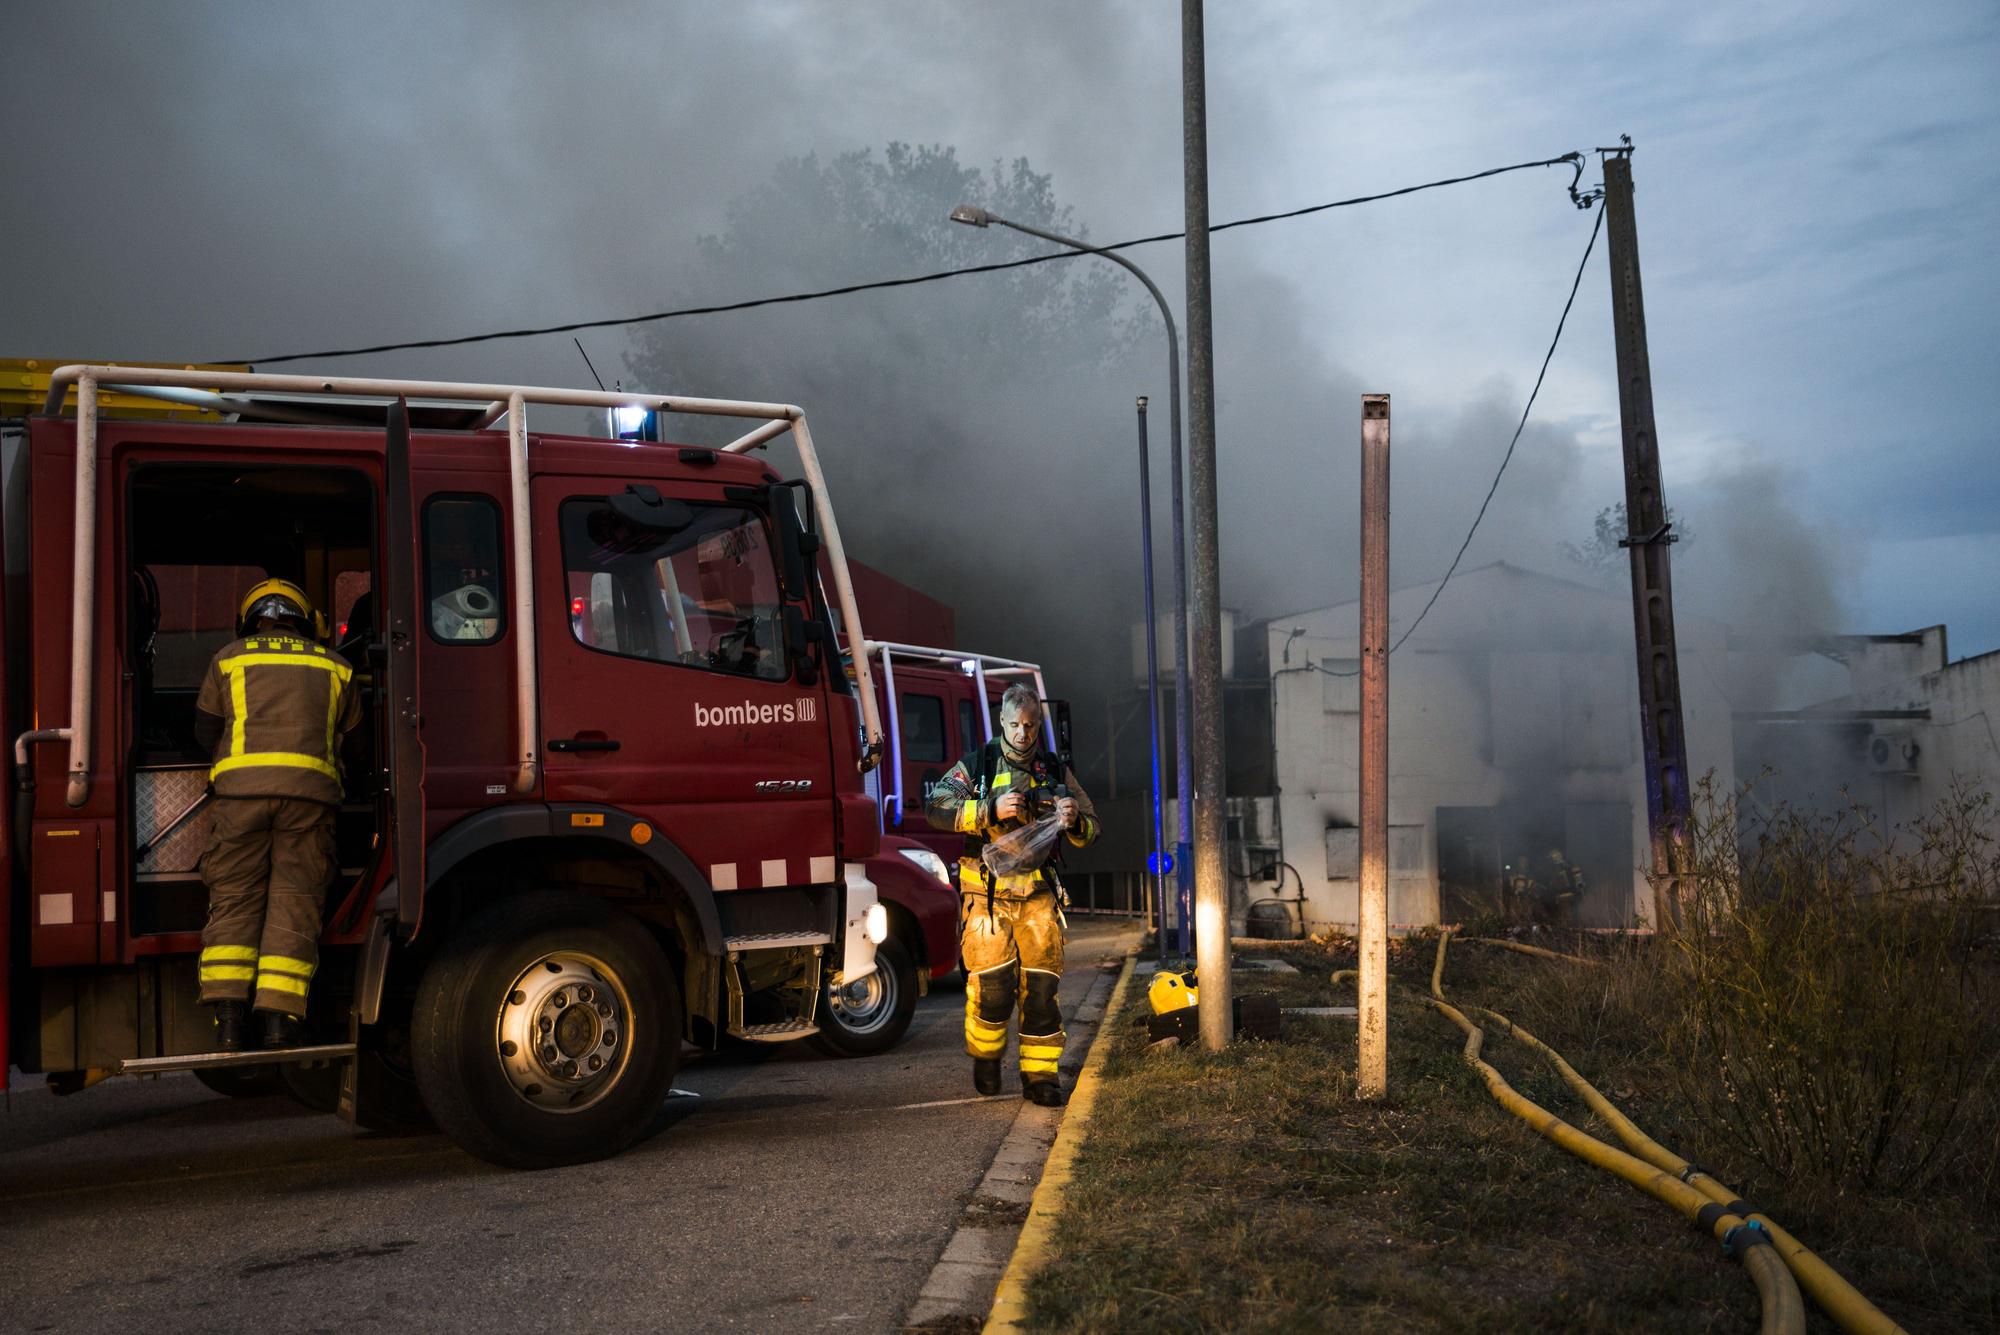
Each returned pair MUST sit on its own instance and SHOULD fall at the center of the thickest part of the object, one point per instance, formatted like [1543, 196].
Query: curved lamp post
[973, 216]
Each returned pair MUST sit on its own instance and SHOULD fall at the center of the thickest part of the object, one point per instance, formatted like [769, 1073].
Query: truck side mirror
[793, 539]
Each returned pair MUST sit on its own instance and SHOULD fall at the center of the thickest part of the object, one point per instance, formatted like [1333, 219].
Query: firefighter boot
[1042, 1037]
[282, 1030]
[1047, 1093]
[986, 1075]
[232, 1018]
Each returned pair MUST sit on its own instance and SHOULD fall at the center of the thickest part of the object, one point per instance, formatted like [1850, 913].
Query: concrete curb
[960, 1287]
[1010, 1303]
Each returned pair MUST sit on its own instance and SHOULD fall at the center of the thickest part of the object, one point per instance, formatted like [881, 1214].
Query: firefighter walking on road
[1011, 925]
[272, 711]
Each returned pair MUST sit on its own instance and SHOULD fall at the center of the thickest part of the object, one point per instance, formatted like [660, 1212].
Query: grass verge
[1249, 1190]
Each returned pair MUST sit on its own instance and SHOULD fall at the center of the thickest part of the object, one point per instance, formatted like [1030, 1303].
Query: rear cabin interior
[198, 536]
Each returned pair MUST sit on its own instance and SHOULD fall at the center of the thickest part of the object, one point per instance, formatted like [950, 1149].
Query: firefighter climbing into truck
[610, 806]
[273, 710]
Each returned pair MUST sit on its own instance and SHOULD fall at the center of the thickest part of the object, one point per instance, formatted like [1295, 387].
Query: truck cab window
[923, 728]
[968, 728]
[696, 587]
[462, 569]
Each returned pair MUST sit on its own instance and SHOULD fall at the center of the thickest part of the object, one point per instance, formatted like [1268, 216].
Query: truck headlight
[929, 861]
[878, 923]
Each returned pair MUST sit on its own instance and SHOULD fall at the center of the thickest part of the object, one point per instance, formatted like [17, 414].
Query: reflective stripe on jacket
[284, 703]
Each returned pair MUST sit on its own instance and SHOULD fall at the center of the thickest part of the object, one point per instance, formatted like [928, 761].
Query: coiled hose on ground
[1850, 1310]
[1783, 1312]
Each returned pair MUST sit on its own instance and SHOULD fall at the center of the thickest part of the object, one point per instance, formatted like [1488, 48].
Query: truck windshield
[700, 590]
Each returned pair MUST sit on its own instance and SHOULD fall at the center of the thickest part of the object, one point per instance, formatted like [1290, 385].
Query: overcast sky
[1818, 198]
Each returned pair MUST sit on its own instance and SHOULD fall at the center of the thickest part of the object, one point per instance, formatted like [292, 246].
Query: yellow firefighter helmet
[1171, 992]
[279, 600]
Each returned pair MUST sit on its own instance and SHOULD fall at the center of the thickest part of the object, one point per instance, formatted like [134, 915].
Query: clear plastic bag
[1022, 850]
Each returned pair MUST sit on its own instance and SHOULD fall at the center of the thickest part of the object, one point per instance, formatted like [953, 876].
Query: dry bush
[1833, 992]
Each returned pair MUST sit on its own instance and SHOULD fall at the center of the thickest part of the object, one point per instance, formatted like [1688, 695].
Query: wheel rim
[867, 1004]
[563, 1034]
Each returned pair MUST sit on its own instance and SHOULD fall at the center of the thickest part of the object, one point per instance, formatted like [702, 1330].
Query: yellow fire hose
[1523, 948]
[1840, 1300]
[1783, 1312]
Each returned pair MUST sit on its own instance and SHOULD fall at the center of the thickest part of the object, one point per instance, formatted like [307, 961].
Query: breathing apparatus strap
[989, 766]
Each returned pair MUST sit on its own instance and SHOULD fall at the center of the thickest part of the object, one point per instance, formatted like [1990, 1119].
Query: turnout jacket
[272, 711]
[957, 803]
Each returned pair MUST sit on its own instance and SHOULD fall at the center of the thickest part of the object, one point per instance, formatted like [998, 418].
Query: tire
[874, 1014]
[241, 1082]
[595, 992]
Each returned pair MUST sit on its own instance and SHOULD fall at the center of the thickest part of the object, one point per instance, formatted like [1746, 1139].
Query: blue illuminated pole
[1154, 866]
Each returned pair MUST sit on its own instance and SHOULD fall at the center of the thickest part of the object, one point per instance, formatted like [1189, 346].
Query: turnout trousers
[1016, 952]
[268, 865]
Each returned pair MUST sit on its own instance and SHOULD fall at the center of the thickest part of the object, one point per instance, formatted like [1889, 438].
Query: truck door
[670, 686]
[405, 799]
[922, 709]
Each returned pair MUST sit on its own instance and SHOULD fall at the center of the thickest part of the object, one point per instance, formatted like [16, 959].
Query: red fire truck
[608, 795]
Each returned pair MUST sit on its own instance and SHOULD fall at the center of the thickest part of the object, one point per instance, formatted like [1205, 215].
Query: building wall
[1961, 744]
[1518, 694]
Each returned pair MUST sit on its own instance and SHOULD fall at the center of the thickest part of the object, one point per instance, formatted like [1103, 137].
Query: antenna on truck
[586, 361]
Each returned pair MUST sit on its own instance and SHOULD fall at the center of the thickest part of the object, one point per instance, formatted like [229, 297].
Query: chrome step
[784, 1031]
[776, 940]
[203, 1061]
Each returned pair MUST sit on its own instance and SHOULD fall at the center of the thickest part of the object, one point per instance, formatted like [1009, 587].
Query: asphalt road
[798, 1192]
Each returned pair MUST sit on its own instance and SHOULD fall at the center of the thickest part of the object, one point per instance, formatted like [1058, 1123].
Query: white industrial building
[1894, 724]
[1513, 729]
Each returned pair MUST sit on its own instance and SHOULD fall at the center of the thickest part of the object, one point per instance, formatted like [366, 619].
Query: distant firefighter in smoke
[1546, 895]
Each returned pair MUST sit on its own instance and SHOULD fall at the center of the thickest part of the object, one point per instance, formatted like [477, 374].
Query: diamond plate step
[776, 940]
[784, 1031]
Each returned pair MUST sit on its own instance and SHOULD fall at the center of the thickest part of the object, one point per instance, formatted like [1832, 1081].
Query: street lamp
[973, 216]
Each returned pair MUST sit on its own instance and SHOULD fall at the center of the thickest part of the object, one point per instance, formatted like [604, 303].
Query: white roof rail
[974, 665]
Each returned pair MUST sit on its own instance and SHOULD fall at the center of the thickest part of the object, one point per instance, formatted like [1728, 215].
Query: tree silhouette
[1601, 557]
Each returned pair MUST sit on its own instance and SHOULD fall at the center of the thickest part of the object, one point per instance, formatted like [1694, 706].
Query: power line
[1518, 429]
[1505, 459]
[1569, 159]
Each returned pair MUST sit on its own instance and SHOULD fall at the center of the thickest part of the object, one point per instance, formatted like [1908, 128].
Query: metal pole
[1372, 1068]
[1154, 870]
[1649, 538]
[1210, 864]
[1183, 861]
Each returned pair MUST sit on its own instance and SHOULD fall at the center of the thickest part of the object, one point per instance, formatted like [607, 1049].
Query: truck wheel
[547, 1032]
[241, 1082]
[872, 1015]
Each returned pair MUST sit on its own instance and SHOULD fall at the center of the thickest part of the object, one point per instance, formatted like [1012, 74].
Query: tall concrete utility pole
[1372, 1068]
[1211, 880]
[1649, 539]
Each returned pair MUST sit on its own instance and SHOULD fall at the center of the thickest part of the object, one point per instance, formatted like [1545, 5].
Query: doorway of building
[1598, 841]
[1468, 846]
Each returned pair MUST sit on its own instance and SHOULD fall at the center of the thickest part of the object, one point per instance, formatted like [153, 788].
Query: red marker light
[576, 607]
